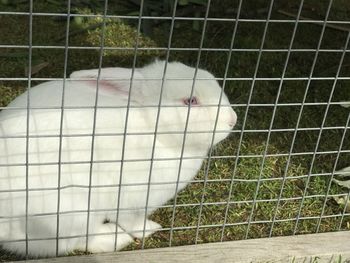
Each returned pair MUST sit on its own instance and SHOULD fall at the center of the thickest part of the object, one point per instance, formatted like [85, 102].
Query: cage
[284, 67]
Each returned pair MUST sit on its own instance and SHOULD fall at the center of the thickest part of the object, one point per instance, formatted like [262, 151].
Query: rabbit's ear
[105, 72]
[112, 81]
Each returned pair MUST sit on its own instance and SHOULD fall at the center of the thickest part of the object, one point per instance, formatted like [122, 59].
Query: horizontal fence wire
[171, 106]
[177, 49]
[241, 79]
[169, 183]
[245, 202]
[206, 209]
[190, 227]
[253, 20]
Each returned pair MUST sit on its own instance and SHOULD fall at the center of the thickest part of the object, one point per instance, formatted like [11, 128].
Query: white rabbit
[77, 129]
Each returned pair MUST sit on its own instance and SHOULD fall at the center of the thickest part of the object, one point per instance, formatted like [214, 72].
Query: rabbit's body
[44, 153]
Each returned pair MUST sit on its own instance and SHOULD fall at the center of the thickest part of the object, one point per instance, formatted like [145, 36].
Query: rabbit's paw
[106, 243]
[151, 227]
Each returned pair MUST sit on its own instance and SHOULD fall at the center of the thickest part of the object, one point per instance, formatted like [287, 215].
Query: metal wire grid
[235, 21]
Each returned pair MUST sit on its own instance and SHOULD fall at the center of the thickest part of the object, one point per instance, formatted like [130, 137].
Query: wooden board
[325, 247]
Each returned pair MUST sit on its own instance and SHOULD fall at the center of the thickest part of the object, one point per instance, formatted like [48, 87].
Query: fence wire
[238, 157]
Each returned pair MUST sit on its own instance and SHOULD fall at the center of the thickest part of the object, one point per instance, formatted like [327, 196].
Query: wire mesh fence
[99, 159]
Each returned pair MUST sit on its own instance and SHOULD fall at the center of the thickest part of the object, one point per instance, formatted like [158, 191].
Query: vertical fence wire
[61, 127]
[332, 176]
[315, 151]
[127, 117]
[30, 40]
[246, 113]
[207, 166]
[227, 206]
[167, 58]
[274, 114]
[102, 40]
[323, 121]
[264, 154]
[289, 156]
[298, 122]
[189, 108]
[157, 120]
[344, 133]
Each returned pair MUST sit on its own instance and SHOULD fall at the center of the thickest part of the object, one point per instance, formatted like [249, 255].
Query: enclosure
[284, 67]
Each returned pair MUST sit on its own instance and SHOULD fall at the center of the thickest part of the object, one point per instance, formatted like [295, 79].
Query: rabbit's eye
[192, 101]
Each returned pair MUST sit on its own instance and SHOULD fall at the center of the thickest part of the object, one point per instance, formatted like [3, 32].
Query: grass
[120, 33]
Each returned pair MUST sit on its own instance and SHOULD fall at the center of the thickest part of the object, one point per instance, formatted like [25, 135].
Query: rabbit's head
[209, 106]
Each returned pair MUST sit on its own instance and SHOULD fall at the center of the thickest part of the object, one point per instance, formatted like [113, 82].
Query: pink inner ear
[107, 86]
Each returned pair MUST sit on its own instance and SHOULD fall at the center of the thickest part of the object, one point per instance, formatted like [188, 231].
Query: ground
[275, 169]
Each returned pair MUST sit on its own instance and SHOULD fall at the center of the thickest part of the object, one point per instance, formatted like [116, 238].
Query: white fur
[76, 154]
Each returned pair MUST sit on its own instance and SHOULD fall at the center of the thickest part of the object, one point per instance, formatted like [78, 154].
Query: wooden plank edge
[324, 247]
